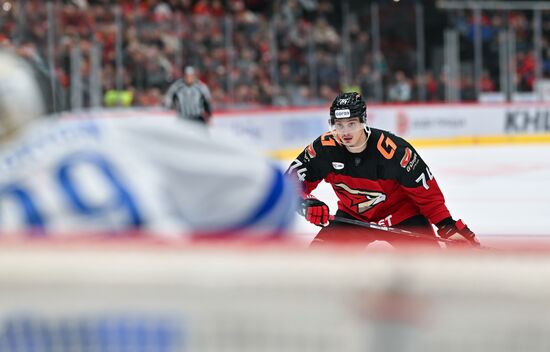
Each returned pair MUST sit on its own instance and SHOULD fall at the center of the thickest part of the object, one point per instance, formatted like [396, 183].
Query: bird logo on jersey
[362, 200]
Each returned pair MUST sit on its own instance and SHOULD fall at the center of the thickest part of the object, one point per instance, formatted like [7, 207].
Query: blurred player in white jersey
[66, 177]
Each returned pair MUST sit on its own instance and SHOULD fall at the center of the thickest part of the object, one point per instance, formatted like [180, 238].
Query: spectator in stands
[367, 82]
[400, 89]
[525, 70]
[546, 62]
[298, 34]
[487, 83]
[431, 86]
[467, 89]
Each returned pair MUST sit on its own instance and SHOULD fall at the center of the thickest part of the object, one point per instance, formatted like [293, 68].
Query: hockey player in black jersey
[378, 177]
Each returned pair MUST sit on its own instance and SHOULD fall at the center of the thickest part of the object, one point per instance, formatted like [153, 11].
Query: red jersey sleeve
[419, 183]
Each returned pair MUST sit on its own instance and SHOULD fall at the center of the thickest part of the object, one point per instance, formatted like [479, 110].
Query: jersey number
[386, 146]
[300, 172]
[422, 179]
[72, 193]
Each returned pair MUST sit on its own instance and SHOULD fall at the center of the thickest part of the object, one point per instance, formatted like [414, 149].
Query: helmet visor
[343, 126]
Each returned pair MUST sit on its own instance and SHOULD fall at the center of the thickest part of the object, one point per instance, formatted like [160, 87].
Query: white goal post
[202, 298]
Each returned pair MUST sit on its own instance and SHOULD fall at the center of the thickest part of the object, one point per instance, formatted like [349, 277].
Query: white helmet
[21, 99]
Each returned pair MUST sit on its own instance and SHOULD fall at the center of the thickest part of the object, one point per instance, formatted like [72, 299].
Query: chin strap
[357, 148]
[367, 130]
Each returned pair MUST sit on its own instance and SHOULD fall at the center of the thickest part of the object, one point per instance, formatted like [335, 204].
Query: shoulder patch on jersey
[406, 158]
[409, 160]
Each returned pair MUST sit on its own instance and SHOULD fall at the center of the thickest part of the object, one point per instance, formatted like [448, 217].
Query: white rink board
[294, 128]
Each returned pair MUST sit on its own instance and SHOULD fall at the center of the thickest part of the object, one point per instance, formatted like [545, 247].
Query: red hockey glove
[315, 211]
[458, 231]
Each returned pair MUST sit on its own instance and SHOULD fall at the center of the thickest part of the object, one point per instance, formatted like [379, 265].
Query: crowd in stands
[493, 23]
[259, 52]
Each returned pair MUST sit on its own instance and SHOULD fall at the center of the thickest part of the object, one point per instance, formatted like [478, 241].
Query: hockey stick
[393, 230]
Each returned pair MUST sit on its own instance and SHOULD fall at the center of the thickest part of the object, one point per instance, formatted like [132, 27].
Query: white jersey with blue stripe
[161, 175]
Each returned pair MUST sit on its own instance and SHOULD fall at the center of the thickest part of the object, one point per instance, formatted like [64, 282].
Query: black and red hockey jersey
[386, 183]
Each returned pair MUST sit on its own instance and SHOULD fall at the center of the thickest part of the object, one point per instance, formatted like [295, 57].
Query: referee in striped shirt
[189, 97]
